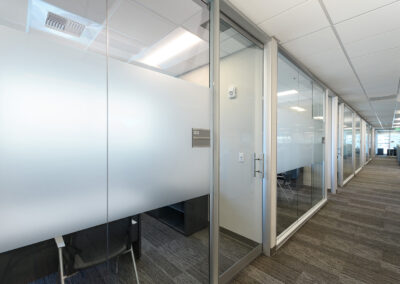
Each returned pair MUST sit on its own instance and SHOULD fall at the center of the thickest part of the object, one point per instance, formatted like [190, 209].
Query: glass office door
[241, 159]
[348, 166]
[357, 129]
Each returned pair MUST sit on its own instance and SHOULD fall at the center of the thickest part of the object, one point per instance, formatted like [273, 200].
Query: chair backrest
[117, 231]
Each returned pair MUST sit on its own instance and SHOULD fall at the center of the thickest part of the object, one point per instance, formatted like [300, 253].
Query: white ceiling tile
[14, 13]
[91, 9]
[297, 22]
[370, 24]
[119, 46]
[385, 110]
[261, 10]
[193, 25]
[313, 43]
[383, 41]
[130, 16]
[340, 10]
[176, 11]
[379, 71]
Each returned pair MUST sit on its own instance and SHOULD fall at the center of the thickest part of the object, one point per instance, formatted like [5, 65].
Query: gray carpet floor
[355, 238]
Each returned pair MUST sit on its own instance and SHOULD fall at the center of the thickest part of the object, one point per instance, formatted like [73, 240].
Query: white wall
[241, 131]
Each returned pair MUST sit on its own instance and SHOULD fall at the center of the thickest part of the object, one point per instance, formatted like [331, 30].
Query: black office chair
[88, 247]
[284, 184]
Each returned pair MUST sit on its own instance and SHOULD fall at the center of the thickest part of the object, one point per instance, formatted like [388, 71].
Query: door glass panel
[366, 143]
[159, 142]
[348, 169]
[357, 128]
[318, 146]
[241, 72]
[300, 155]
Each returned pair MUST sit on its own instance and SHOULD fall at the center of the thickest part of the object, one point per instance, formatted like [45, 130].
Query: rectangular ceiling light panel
[179, 45]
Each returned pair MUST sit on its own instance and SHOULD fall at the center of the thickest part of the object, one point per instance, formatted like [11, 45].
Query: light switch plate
[241, 157]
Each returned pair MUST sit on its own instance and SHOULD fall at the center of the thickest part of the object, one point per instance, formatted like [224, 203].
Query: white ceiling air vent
[62, 24]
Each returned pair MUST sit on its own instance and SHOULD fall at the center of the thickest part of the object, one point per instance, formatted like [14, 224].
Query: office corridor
[355, 238]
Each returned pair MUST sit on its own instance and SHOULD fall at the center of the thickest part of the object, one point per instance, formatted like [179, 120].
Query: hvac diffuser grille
[61, 24]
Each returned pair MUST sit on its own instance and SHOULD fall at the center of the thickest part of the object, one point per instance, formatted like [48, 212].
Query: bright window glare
[286, 93]
[296, 108]
[171, 48]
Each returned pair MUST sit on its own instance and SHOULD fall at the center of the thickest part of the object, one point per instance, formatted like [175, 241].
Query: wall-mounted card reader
[200, 137]
[232, 92]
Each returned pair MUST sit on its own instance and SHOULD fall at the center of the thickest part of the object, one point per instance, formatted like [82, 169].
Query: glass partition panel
[394, 139]
[53, 129]
[367, 142]
[300, 146]
[159, 140]
[357, 129]
[383, 141]
[318, 146]
[370, 142]
[348, 169]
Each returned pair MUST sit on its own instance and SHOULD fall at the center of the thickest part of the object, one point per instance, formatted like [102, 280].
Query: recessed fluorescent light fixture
[398, 118]
[179, 41]
[397, 112]
[318, 117]
[286, 93]
[296, 108]
[51, 19]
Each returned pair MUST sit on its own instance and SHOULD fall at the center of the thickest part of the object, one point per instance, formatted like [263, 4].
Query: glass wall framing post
[341, 144]
[353, 155]
[327, 144]
[334, 153]
[363, 142]
[270, 145]
[215, 137]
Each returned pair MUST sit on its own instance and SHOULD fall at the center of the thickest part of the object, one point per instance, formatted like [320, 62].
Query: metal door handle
[255, 159]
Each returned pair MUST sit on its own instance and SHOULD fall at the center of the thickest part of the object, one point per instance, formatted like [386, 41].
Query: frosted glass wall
[357, 129]
[348, 168]
[300, 148]
[367, 142]
[97, 125]
[53, 150]
[150, 126]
